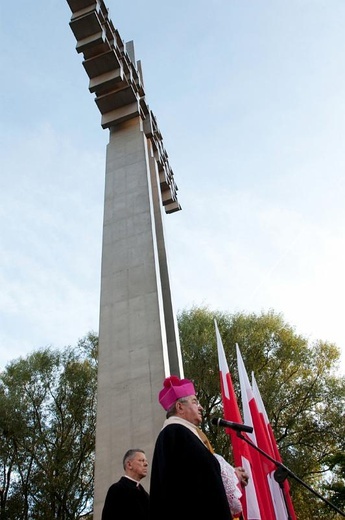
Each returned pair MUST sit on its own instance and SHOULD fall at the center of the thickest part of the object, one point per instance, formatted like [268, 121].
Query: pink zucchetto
[173, 389]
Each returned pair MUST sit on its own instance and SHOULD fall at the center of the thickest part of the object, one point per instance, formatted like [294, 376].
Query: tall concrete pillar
[138, 338]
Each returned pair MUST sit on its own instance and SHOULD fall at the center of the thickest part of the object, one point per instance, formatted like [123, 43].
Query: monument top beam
[116, 80]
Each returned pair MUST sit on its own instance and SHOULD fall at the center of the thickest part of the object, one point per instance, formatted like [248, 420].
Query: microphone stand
[282, 472]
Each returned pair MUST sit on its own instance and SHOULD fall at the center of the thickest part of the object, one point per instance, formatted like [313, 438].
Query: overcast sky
[250, 99]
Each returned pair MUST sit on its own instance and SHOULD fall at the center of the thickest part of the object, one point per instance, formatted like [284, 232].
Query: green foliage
[47, 428]
[303, 396]
[337, 483]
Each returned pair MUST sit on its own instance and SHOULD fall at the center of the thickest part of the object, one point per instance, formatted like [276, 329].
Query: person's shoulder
[114, 485]
[119, 483]
[174, 427]
[123, 485]
[176, 430]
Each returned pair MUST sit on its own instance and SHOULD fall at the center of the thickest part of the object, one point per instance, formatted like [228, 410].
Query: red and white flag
[281, 493]
[249, 499]
[262, 467]
[254, 416]
[263, 498]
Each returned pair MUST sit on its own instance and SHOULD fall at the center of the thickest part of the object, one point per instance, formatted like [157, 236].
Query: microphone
[234, 425]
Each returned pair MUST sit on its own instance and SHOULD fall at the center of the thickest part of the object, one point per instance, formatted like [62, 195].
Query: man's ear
[178, 406]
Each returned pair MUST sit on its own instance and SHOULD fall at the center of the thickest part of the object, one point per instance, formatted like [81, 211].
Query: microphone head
[215, 421]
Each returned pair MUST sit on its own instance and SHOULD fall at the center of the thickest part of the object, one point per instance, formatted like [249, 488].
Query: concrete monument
[138, 337]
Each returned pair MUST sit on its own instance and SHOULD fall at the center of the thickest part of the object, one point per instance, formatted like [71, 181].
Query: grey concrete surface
[138, 336]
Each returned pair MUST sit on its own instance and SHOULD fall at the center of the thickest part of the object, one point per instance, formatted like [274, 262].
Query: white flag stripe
[245, 391]
[258, 399]
[253, 509]
[223, 365]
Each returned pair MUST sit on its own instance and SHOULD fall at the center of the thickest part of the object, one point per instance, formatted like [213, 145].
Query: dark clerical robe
[125, 499]
[186, 480]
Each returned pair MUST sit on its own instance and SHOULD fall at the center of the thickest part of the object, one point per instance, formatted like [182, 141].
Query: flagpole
[285, 472]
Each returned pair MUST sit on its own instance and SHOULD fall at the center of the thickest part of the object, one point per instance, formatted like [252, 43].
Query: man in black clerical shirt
[127, 498]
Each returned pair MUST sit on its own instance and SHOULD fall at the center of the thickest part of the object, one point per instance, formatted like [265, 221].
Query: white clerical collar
[174, 419]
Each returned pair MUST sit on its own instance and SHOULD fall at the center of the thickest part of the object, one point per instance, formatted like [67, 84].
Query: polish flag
[250, 500]
[280, 492]
[262, 467]
[260, 437]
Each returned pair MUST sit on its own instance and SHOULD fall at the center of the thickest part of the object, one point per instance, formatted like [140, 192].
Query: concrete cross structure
[138, 337]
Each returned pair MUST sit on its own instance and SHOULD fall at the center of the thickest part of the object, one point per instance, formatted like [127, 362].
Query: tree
[298, 382]
[47, 428]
